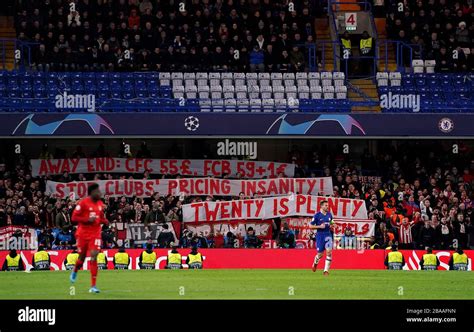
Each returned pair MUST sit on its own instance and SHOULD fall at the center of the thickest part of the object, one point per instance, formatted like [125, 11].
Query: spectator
[462, 35]
[156, 215]
[257, 59]
[63, 218]
[74, 19]
[297, 59]
[426, 236]
[460, 230]
[445, 233]
[443, 61]
[173, 215]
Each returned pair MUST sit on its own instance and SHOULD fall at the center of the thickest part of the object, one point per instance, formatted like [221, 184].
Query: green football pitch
[242, 284]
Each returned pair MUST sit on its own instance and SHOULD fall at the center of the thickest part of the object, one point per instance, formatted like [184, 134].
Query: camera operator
[108, 237]
[251, 240]
[199, 241]
[185, 241]
[286, 238]
[64, 239]
[165, 237]
[46, 238]
[230, 240]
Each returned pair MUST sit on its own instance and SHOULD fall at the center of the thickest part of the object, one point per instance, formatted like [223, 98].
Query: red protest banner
[360, 228]
[185, 167]
[263, 229]
[273, 207]
[195, 186]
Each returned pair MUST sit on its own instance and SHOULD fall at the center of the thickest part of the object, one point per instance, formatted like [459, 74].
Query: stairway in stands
[7, 30]
[367, 87]
[391, 62]
[361, 90]
[323, 33]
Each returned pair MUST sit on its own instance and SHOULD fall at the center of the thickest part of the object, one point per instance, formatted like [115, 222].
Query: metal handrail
[368, 101]
[400, 47]
[311, 49]
[23, 46]
[337, 57]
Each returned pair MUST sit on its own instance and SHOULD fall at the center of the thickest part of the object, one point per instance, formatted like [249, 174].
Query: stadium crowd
[198, 35]
[419, 198]
[441, 30]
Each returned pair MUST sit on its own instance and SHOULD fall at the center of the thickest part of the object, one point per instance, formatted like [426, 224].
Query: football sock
[78, 265]
[316, 259]
[93, 273]
[327, 264]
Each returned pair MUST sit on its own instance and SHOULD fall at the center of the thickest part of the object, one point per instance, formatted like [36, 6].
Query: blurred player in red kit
[89, 214]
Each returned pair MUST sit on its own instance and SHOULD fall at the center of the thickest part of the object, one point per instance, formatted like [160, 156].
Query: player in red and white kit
[89, 214]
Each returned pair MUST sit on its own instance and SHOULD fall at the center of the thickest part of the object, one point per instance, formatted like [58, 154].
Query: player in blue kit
[322, 222]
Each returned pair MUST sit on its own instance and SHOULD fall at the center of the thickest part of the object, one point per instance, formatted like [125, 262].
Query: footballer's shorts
[324, 241]
[86, 244]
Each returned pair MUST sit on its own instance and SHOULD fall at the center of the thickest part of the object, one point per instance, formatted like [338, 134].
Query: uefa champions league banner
[273, 207]
[194, 187]
[186, 167]
[236, 124]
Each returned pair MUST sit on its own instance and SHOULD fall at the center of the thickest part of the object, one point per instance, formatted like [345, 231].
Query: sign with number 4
[351, 21]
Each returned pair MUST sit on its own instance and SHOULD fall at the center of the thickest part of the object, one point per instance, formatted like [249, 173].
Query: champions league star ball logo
[191, 123]
[446, 125]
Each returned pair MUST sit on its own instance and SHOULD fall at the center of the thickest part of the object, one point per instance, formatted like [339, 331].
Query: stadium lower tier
[262, 258]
